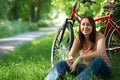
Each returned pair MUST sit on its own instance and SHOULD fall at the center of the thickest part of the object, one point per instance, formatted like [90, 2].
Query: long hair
[92, 36]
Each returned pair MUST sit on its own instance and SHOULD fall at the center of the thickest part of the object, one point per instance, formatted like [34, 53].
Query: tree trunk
[13, 15]
[32, 12]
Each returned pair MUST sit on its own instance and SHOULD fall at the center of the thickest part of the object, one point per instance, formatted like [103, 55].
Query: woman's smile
[86, 27]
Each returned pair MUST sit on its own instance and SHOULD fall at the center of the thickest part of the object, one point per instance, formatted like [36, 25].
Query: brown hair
[92, 36]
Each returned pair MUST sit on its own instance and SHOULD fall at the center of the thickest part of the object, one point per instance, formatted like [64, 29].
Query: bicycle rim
[60, 49]
[112, 41]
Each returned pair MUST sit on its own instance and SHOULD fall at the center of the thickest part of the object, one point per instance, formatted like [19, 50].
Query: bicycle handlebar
[83, 1]
[74, 14]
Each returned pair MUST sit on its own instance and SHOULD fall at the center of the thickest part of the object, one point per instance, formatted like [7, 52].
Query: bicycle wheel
[62, 43]
[113, 40]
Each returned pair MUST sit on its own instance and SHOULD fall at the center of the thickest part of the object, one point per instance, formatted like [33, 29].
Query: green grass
[31, 61]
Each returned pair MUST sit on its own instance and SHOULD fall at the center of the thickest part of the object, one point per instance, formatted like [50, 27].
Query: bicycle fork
[68, 24]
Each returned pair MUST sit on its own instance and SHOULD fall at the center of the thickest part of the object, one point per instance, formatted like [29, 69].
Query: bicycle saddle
[112, 6]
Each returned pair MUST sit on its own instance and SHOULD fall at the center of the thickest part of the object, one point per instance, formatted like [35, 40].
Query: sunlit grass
[31, 61]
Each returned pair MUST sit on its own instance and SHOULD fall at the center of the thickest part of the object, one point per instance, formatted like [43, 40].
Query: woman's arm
[73, 66]
[75, 47]
[73, 51]
[100, 48]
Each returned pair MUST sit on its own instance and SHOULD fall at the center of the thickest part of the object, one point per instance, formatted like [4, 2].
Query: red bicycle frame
[110, 23]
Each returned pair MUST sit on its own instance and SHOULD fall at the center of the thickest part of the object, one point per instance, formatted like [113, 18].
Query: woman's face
[86, 27]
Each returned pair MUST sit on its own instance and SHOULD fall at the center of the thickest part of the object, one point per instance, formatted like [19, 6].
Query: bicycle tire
[113, 39]
[61, 48]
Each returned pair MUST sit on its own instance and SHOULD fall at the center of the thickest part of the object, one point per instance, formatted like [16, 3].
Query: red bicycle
[65, 35]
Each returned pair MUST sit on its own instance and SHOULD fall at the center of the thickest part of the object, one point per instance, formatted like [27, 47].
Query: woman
[91, 45]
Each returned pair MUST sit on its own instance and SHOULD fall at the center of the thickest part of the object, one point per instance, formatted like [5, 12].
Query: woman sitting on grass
[91, 45]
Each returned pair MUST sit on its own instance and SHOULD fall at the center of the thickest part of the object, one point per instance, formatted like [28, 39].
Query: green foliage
[34, 9]
[4, 8]
[117, 1]
[90, 9]
[83, 9]
[27, 10]
[62, 5]
[10, 28]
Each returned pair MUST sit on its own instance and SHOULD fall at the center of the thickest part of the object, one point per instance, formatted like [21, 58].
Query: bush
[10, 28]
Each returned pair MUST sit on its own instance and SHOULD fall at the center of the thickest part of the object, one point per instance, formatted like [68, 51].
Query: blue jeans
[97, 66]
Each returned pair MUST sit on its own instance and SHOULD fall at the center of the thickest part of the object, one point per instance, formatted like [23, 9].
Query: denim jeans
[97, 65]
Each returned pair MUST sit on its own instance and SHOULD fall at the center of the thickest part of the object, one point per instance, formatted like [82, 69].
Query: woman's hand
[73, 66]
[69, 60]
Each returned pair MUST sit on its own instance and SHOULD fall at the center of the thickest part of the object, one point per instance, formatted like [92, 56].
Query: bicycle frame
[60, 47]
[110, 23]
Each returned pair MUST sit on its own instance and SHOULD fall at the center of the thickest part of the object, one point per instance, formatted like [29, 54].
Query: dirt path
[8, 44]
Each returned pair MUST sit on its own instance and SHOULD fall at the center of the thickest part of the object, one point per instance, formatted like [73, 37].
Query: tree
[4, 9]
[31, 10]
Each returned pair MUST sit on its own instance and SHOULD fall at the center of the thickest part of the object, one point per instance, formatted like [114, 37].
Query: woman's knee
[61, 62]
[97, 61]
[98, 58]
[62, 67]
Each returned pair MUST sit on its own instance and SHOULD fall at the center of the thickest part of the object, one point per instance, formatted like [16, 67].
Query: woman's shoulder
[77, 38]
